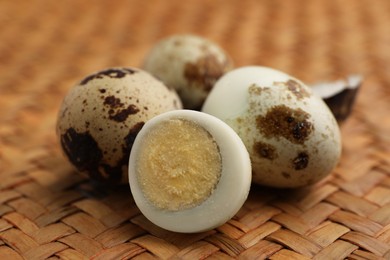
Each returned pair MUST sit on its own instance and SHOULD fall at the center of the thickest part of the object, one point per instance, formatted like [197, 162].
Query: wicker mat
[47, 210]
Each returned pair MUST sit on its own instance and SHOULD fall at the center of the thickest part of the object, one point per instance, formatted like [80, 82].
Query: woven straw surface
[47, 210]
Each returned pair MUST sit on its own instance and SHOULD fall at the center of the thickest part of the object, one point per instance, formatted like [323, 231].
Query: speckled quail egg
[190, 64]
[291, 135]
[101, 116]
[189, 171]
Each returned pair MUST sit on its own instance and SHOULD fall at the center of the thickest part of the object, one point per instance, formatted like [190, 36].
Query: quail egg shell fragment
[189, 171]
[190, 64]
[101, 116]
[291, 135]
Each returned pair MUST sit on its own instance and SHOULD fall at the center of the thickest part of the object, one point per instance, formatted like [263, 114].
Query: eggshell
[230, 192]
[190, 64]
[101, 116]
[291, 135]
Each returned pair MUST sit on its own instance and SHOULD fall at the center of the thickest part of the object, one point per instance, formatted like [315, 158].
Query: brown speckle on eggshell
[190, 64]
[291, 135]
[301, 161]
[111, 73]
[204, 72]
[297, 89]
[101, 116]
[265, 150]
[282, 121]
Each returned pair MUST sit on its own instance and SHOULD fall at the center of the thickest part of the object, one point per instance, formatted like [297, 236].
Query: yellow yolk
[179, 165]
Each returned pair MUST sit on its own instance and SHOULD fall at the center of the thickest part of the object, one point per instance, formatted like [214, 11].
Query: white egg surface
[190, 64]
[291, 135]
[101, 116]
[189, 171]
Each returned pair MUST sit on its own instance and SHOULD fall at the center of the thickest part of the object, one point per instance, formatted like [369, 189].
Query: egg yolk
[179, 165]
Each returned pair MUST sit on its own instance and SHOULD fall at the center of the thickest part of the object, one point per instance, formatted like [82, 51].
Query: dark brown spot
[265, 150]
[102, 90]
[205, 71]
[301, 161]
[122, 114]
[282, 121]
[85, 154]
[113, 102]
[112, 73]
[129, 139]
[297, 89]
[81, 149]
[89, 78]
[286, 175]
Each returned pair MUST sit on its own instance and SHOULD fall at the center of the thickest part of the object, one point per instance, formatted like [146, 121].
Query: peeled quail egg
[101, 116]
[291, 135]
[188, 171]
[190, 64]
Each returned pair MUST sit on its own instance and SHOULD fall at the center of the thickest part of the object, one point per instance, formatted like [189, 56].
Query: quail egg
[101, 116]
[189, 171]
[291, 135]
[190, 64]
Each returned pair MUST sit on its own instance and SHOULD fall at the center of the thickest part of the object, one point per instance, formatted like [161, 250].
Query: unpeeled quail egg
[188, 171]
[101, 116]
[291, 135]
[190, 64]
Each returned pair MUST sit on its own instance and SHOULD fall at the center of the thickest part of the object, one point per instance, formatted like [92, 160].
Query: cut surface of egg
[291, 135]
[188, 171]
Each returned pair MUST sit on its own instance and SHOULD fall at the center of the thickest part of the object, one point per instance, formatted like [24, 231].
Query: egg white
[229, 194]
[232, 101]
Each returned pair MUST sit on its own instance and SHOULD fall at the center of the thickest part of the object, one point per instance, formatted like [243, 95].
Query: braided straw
[49, 211]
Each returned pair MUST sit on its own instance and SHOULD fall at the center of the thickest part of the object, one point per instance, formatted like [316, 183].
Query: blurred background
[48, 46]
[327, 38]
